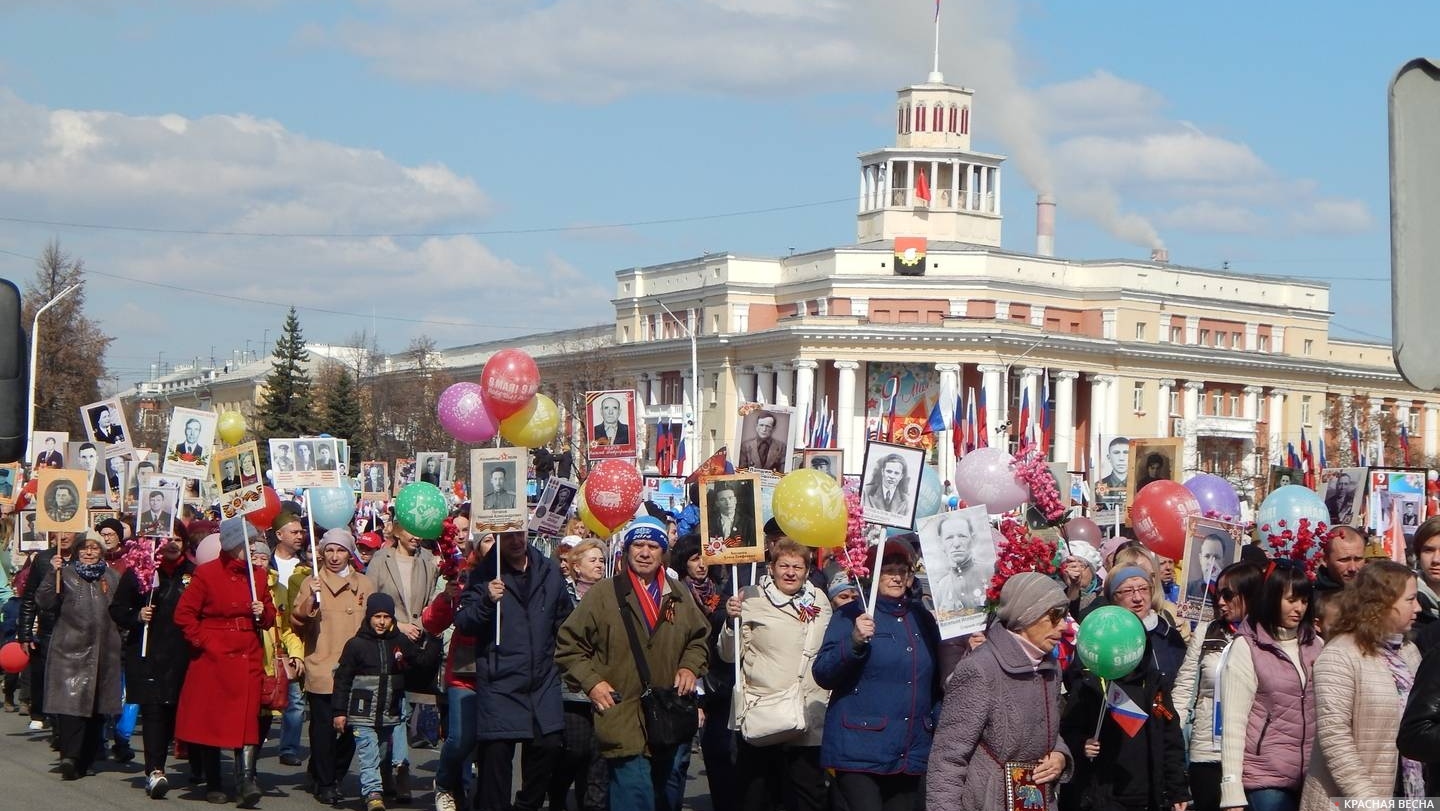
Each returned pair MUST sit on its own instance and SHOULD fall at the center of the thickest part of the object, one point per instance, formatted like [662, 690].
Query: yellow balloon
[809, 506]
[591, 522]
[231, 427]
[532, 426]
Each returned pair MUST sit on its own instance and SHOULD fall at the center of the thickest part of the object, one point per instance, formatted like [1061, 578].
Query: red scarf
[648, 597]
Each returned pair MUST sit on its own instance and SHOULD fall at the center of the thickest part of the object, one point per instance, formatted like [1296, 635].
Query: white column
[764, 385]
[1030, 380]
[845, 415]
[1192, 415]
[748, 389]
[1064, 443]
[1251, 405]
[1162, 408]
[804, 389]
[784, 384]
[643, 389]
[949, 388]
[1277, 425]
[1432, 417]
[1099, 421]
[994, 401]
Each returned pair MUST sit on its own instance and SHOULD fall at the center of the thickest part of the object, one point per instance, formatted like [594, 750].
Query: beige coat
[1357, 717]
[327, 627]
[774, 642]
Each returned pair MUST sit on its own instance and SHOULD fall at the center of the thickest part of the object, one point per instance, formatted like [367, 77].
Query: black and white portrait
[105, 425]
[959, 551]
[497, 487]
[156, 511]
[1114, 469]
[404, 474]
[1153, 460]
[373, 481]
[9, 482]
[1212, 546]
[826, 460]
[87, 457]
[47, 449]
[764, 434]
[61, 498]
[430, 467]
[1281, 476]
[552, 509]
[892, 484]
[31, 538]
[610, 424]
[326, 455]
[730, 519]
[1344, 492]
[191, 443]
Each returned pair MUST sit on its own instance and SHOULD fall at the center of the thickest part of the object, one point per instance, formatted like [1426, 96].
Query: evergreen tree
[343, 418]
[287, 409]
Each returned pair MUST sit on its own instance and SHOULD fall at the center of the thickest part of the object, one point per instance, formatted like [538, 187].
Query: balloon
[953, 503]
[588, 518]
[462, 413]
[332, 507]
[1082, 529]
[809, 506]
[1215, 496]
[532, 426]
[1283, 510]
[1111, 641]
[613, 491]
[231, 427]
[1160, 514]
[13, 657]
[208, 549]
[420, 508]
[509, 380]
[262, 519]
[932, 493]
[987, 476]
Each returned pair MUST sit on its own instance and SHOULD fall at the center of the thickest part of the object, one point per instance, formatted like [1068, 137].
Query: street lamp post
[1004, 427]
[35, 360]
[695, 383]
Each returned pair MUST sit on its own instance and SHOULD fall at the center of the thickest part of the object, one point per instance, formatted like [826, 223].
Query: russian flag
[962, 431]
[680, 450]
[1024, 432]
[1291, 459]
[982, 429]
[662, 446]
[1323, 463]
[1125, 713]
[1045, 418]
[1355, 443]
[1405, 443]
[937, 419]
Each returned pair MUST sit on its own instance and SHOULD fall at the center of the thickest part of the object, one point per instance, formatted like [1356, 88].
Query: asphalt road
[29, 780]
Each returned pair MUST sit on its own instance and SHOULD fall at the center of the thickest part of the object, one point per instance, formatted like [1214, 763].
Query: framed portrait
[31, 538]
[96, 516]
[959, 552]
[105, 423]
[404, 474]
[60, 501]
[190, 443]
[730, 519]
[552, 508]
[764, 436]
[1343, 489]
[1153, 460]
[610, 424]
[1282, 476]
[158, 505]
[430, 468]
[830, 461]
[666, 492]
[47, 449]
[374, 479]
[1113, 472]
[1395, 495]
[327, 455]
[497, 482]
[1210, 546]
[88, 457]
[12, 478]
[892, 484]
[237, 480]
[312, 462]
[342, 457]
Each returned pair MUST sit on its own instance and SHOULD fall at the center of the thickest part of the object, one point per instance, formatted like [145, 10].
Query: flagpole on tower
[935, 74]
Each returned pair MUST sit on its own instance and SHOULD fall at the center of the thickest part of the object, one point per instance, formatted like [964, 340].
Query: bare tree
[72, 360]
[402, 407]
[566, 376]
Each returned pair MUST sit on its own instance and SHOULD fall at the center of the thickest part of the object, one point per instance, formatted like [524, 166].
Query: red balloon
[1083, 529]
[612, 492]
[508, 383]
[1160, 514]
[14, 657]
[263, 518]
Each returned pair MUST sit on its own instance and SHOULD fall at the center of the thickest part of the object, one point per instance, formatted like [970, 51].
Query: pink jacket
[1282, 717]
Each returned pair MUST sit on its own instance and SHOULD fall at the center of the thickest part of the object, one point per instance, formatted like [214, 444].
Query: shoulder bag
[777, 717]
[670, 719]
[275, 687]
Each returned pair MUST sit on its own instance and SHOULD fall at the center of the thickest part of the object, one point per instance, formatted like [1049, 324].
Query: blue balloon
[332, 507]
[1283, 510]
[932, 493]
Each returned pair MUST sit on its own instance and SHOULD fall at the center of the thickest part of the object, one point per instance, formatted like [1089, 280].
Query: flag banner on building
[910, 256]
[922, 187]
[1125, 713]
[714, 466]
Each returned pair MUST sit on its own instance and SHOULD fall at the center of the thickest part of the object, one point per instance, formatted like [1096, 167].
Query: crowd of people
[607, 664]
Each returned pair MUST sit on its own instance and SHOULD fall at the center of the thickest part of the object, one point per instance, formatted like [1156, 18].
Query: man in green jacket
[593, 649]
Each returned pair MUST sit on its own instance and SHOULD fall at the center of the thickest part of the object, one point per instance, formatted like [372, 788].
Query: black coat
[517, 683]
[35, 624]
[1419, 737]
[156, 677]
[370, 677]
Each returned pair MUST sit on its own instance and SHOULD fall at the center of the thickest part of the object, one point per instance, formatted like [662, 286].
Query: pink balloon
[987, 476]
[612, 492]
[208, 549]
[463, 415]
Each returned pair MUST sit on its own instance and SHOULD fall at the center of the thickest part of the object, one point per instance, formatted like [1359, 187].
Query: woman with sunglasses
[1267, 696]
[1237, 589]
[1144, 771]
[1002, 703]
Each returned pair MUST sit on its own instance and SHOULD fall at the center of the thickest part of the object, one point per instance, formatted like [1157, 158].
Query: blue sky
[1253, 134]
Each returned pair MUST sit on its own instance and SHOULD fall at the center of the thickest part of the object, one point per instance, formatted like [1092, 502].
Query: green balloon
[1111, 642]
[421, 509]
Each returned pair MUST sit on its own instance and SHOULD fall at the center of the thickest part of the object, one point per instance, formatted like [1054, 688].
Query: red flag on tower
[922, 187]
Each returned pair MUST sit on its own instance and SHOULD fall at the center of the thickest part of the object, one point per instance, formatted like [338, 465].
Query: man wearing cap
[517, 682]
[594, 652]
[328, 610]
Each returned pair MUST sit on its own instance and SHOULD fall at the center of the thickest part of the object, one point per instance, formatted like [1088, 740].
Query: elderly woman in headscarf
[1002, 703]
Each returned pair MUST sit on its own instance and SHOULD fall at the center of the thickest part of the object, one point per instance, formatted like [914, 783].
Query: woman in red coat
[220, 700]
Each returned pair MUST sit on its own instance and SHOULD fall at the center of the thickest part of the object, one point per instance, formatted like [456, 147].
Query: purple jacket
[1281, 727]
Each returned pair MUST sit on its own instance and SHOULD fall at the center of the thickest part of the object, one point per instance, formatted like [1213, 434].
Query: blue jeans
[9, 620]
[292, 720]
[400, 736]
[643, 783]
[1272, 799]
[459, 740]
[367, 752]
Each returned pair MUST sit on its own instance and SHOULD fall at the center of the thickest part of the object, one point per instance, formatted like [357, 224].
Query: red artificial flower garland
[1019, 551]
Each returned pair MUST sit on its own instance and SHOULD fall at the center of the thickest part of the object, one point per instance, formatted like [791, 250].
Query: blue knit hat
[647, 529]
[235, 533]
[1121, 575]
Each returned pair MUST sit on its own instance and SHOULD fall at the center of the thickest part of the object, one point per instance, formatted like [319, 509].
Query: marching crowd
[1307, 686]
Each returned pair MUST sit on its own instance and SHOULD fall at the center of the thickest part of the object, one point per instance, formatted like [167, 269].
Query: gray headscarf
[1026, 597]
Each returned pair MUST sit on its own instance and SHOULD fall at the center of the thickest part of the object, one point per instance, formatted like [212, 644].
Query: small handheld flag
[1125, 713]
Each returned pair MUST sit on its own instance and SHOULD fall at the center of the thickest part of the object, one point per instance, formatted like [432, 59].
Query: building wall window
[937, 119]
[1204, 339]
[1264, 343]
[964, 120]
[740, 319]
[1137, 398]
[1219, 340]
[1412, 421]
[1307, 346]
[1140, 331]
[1237, 340]
[1177, 334]
[920, 117]
[672, 388]
[1174, 403]
[1305, 410]
[1234, 405]
[954, 117]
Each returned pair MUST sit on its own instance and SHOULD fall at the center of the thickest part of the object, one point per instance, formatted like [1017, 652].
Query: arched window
[900, 118]
[905, 119]
[965, 120]
[937, 119]
[954, 118]
[920, 117]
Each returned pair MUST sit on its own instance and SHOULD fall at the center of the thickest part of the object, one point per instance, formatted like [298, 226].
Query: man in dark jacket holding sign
[514, 612]
[596, 654]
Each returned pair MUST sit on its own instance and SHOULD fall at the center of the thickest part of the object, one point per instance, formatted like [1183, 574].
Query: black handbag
[670, 719]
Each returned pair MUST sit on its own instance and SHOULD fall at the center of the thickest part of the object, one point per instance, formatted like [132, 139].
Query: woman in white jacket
[782, 623]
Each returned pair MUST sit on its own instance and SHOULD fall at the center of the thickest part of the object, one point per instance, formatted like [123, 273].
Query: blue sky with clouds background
[462, 138]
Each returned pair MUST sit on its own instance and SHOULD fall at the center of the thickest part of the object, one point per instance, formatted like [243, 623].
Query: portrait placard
[60, 500]
[158, 505]
[666, 492]
[496, 478]
[1396, 494]
[1210, 546]
[1343, 489]
[552, 509]
[404, 473]
[1113, 471]
[892, 484]
[31, 538]
[959, 552]
[96, 516]
[374, 481]
[730, 519]
[610, 424]
[430, 468]
[1153, 460]
[191, 443]
[105, 423]
[1284, 476]
[764, 433]
[830, 461]
[237, 480]
[47, 449]
[304, 462]
[88, 457]
[12, 478]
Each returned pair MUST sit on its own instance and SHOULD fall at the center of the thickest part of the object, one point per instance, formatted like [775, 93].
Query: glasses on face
[1228, 595]
[1133, 591]
[1055, 615]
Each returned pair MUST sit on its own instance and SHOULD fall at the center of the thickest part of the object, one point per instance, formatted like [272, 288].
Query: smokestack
[1045, 225]
[1159, 255]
